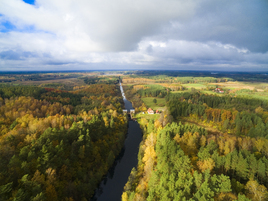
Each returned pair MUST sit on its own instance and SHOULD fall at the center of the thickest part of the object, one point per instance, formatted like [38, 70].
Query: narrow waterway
[112, 186]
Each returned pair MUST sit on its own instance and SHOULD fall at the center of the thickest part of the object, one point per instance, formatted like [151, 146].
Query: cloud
[174, 52]
[90, 25]
[12, 55]
[242, 23]
[149, 33]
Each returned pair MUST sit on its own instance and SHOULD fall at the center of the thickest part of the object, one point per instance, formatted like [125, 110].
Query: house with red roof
[150, 111]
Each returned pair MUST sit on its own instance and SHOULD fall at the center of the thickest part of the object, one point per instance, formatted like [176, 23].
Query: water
[111, 187]
[123, 94]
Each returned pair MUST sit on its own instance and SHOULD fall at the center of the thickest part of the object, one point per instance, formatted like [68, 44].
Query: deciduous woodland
[204, 145]
[206, 139]
[57, 144]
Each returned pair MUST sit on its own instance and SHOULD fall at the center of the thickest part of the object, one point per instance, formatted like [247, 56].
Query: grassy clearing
[202, 91]
[196, 86]
[258, 85]
[159, 105]
[211, 92]
[242, 85]
[154, 86]
[138, 116]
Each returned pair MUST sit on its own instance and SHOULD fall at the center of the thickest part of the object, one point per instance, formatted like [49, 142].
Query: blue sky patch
[29, 1]
[7, 26]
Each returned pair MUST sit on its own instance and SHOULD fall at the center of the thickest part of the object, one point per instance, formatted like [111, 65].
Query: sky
[46, 35]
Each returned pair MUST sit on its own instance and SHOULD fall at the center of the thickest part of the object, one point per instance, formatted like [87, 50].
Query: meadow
[195, 85]
[159, 105]
[140, 115]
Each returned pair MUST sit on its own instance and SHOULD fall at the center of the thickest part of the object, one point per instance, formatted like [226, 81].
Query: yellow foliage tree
[207, 164]
[256, 191]
[124, 196]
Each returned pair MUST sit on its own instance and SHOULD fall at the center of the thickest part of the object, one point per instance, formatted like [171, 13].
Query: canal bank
[111, 187]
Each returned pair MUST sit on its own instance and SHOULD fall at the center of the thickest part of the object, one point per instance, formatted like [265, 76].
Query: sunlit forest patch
[57, 142]
[216, 150]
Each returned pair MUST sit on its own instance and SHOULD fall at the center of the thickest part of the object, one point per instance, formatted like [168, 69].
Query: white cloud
[112, 25]
[141, 32]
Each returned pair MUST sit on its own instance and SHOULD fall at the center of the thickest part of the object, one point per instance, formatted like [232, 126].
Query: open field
[242, 89]
[138, 116]
[242, 85]
[196, 86]
[202, 91]
[155, 106]
[260, 86]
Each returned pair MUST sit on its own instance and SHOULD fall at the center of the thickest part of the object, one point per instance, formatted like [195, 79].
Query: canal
[111, 187]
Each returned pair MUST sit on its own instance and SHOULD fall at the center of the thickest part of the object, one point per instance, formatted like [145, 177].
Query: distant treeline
[105, 80]
[37, 76]
[167, 79]
[237, 76]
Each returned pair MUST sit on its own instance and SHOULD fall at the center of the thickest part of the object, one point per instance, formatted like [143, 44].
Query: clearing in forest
[159, 105]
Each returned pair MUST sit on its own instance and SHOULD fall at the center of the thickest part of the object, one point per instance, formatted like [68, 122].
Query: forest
[203, 146]
[57, 144]
[61, 132]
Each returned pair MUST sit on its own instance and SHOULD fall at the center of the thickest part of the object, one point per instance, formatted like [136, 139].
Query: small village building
[157, 112]
[150, 111]
[132, 111]
[124, 111]
[219, 90]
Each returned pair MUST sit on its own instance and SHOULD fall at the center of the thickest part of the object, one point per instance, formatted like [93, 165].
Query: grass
[155, 106]
[242, 85]
[138, 116]
[196, 86]
[258, 85]
[154, 86]
[202, 91]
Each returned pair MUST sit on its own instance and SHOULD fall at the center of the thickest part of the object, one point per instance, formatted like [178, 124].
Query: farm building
[150, 111]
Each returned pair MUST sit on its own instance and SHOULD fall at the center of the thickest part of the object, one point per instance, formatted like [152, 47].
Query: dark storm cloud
[240, 23]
